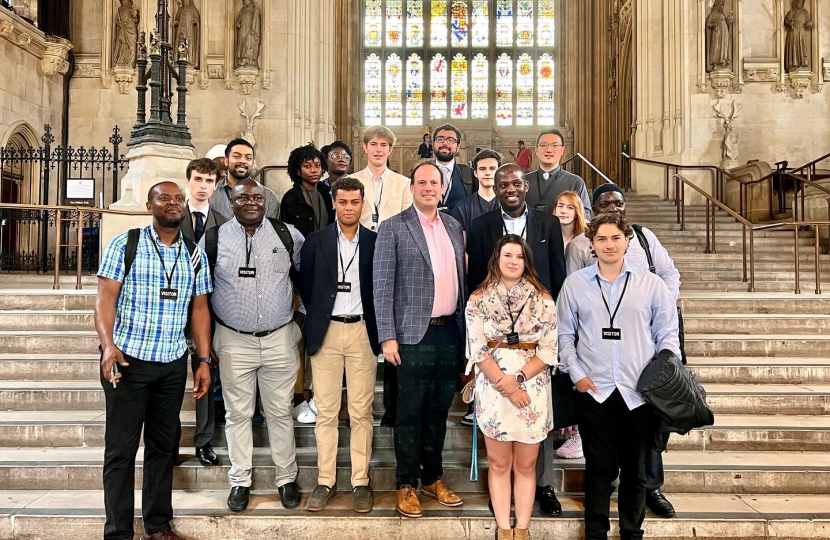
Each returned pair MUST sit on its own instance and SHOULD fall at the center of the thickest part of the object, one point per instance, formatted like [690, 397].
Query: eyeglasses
[544, 145]
[340, 157]
[451, 140]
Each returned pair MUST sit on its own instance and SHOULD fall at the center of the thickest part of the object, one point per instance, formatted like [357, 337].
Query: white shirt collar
[450, 165]
[505, 215]
[193, 210]
[343, 236]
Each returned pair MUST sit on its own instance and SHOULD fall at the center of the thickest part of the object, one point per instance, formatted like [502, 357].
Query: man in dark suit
[202, 176]
[336, 288]
[540, 229]
[459, 182]
[550, 180]
[419, 302]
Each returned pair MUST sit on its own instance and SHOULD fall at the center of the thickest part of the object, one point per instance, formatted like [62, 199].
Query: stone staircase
[762, 471]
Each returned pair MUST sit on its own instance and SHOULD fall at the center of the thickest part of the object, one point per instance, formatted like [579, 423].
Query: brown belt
[506, 345]
[441, 321]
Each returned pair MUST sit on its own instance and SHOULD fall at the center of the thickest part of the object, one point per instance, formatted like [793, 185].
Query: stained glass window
[459, 23]
[371, 89]
[545, 89]
[476, 60]
[524, 23]
[479, 72]
[458, 106]
[394, 23]
[394, 83]
[414, 91]
[438, 87]
[372, 20]
[481, 23]
[438, 24]
[414, 23]
[524, 90]
[504, 90]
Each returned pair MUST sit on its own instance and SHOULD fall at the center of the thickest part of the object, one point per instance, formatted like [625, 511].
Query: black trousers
[205, 408]
[426, 387]
[149, 395]
[614, 440]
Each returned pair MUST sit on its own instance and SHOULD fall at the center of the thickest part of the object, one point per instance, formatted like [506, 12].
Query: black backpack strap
[195, 255]
[288, 241]
[133, 236]
[212, 247]
[641, 237]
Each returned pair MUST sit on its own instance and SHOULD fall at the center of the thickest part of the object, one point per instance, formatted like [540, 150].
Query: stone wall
[293, 84]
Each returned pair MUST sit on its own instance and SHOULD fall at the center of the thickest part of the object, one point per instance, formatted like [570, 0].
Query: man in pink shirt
[524, 158]
[419, 289]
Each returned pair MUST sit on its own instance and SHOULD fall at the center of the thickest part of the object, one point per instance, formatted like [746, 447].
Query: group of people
[485, 269]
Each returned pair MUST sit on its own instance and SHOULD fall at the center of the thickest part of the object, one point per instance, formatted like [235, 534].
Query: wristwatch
[520, 377]
[208, 360]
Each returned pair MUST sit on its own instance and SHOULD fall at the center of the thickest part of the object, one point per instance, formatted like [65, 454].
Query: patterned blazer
[403, 279]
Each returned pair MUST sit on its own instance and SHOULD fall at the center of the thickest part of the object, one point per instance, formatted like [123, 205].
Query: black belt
[347, 319]
[441, 321]
[255, 334]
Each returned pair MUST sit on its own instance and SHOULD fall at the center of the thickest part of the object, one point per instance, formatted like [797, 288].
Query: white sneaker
[313, 406]
[572, 449]
[303, 414]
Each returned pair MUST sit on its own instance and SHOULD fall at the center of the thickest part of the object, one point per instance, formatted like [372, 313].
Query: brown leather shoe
[505, 534]
[166, 535]
[441, 491]
[521, 534]
[408, 503]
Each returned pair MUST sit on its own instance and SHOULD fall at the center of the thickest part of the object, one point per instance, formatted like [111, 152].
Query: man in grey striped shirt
[256, 338]
[239, 155]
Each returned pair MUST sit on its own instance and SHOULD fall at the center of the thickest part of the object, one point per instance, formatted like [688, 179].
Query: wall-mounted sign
[80, 192]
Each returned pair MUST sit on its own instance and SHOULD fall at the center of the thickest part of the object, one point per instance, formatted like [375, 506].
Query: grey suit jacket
[214, 219]
[403, 280]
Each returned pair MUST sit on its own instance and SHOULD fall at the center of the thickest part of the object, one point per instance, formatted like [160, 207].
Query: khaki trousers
[272, 360]
[346, 346]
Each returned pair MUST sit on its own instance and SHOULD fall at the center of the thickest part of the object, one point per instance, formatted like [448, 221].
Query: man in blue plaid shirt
[140, 316]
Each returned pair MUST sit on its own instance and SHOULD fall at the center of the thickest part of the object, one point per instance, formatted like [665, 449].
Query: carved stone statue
[248, 35]
[188, 26]
[126, 34]
[729, 146]
[719, 38]
[798, 24]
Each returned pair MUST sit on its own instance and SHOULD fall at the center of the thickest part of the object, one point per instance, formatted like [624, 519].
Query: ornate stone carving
[182, 50]
[142, 46]
[216, 72]
[24, 39]
[55, 57]
[124, 78]
[126, 35]
[250, 120]
[719, 38]
[188, 25]
[155, 42]
[797, 48]
[799, 82]
[6, 28]
[729, 146]
[248, 33]
[90, 71]
[721, 81]
[826, 71]
[761, 70]
[246, 79]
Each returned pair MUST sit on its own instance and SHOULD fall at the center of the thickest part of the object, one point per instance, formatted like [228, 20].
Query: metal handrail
[587, 162]
[812, 163]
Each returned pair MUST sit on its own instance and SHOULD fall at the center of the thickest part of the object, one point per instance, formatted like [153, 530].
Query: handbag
[563, 395]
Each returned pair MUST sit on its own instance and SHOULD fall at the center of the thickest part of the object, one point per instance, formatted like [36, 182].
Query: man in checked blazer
[419, 294]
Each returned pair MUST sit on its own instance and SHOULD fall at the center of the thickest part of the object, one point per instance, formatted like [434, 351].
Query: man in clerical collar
[550, 180]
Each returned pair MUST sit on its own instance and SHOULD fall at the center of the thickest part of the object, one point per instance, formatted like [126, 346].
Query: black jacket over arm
[544, 237]
[318, 283]
[295, 211]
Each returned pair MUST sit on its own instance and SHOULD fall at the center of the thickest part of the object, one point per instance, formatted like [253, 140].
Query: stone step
[685, 471]
[46, 299]
[667, 231]
[807, 268]
[671, 240]
[755, 324]
[63, 515]
[38, 429]
[760, 370]
[47, 320]
[45, 367]
[724, 398]
[807, 345]
[17, 279]
[745, 302]
[807, 286]
[46, 341]
[690, 277]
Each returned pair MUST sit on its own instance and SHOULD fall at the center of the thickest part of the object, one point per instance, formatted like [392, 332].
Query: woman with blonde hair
[571, 215]
[511, 339]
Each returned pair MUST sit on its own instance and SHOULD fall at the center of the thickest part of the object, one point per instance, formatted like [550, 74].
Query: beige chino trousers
[345, 347]
[274, 361]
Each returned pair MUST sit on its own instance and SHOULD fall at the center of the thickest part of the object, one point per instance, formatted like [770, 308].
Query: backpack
[134, 235]
[212, 247]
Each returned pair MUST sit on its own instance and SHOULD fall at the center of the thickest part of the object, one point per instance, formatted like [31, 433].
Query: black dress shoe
[289, 495]
[548, 503]
[388, 418]
[659, 504]
[238, 499]
[207, 456]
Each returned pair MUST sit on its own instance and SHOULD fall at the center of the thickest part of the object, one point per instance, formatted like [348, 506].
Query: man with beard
[459, 182]
[256, 338]
[239, 155]
[149, 280]
[338, 159]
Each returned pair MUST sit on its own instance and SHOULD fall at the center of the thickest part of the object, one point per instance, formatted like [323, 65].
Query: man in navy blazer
[336, 288]
[419, 295]
[459, 181]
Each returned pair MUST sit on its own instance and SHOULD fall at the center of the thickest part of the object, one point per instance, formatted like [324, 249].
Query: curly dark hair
[300, 155]
[347, 183]
[611, 218]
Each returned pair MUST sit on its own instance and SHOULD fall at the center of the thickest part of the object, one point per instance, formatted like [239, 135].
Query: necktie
[199, 230]
[447, 179]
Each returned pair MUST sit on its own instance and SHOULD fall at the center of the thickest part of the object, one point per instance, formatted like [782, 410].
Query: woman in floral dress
[511, 336]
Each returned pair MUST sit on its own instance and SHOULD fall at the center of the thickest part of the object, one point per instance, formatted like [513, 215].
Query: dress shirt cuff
[576, 372]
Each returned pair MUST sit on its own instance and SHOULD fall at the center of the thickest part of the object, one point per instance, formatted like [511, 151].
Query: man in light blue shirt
[612, 320]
